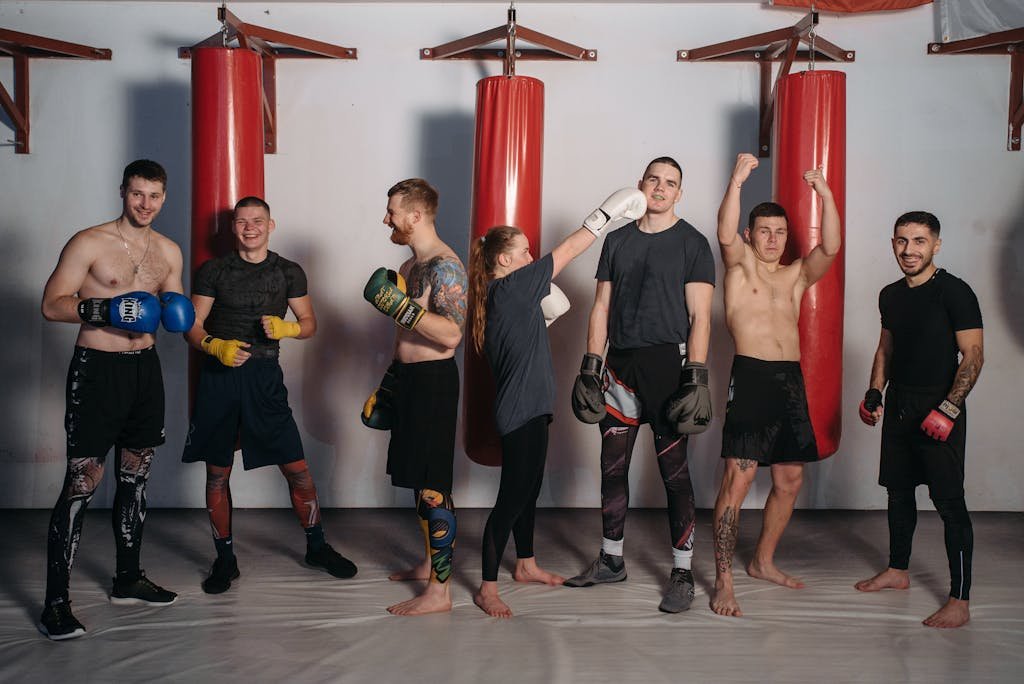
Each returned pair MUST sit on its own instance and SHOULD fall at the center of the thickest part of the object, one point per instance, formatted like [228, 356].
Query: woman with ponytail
[511, 299]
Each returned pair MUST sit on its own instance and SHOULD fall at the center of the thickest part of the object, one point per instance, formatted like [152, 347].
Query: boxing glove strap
[591, 365]
[95, 311]
[949, 409]
[694, 373]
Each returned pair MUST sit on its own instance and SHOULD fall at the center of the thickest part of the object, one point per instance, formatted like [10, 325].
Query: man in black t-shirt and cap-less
[652, 308]
[928, 359]
[241, 300]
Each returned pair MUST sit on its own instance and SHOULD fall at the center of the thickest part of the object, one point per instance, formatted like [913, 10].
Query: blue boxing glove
[178, 314]
[136, 311]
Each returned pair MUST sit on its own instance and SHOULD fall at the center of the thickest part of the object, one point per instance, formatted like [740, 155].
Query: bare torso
[112, 272]
[411, 346]
[762, 309]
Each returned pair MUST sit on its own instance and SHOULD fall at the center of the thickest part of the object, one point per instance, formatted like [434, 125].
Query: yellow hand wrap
[223, 350]
[281, 328]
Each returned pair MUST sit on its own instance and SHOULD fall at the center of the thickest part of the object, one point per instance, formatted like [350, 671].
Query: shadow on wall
[1011, 275]
[446, 158]
[158, 116]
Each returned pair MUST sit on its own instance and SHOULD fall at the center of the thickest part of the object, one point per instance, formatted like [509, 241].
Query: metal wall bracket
[474, 47]
[1001, 43]
[781, 45]
[22, 47]
[271, 45]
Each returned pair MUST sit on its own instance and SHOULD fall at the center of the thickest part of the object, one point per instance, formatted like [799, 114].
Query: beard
[922, 264]
[399, 236]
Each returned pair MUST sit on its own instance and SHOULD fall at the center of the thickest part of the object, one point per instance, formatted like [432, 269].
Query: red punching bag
[227, 149]
[810, 132]
[227, 143]
[506, 191]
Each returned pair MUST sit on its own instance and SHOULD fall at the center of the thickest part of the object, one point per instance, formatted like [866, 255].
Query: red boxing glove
[872, 400]
[939, 423]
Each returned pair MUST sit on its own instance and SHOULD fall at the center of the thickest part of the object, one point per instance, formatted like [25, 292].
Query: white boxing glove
[625, 203]
[554, 305]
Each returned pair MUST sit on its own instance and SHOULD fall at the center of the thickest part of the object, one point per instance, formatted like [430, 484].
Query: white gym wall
[923, 132]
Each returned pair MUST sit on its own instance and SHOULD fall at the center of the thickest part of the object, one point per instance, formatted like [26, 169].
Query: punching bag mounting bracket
[22, 47]
[270, 45]
[474, 46]
[1001, 43]
[781, 45]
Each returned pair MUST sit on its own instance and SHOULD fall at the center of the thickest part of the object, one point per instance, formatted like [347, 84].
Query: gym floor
[282, 621]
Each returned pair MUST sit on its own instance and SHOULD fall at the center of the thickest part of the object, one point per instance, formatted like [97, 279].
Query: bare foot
[527, 570]
[487, 599]
[771, 573]
[436, 598]
[955, 613]
[890, 578]
[723, 601]
[417, 572]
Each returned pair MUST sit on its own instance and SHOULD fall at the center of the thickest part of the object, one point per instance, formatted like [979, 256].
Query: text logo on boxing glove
[135, 311]
[939, 423]
[387, 297]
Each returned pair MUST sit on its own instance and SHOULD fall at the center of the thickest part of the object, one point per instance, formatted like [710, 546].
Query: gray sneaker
[605, 569]
[678, 592]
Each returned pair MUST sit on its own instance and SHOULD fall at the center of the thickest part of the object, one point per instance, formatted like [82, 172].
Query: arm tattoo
[726, 531]
[448, 284]
[966, 375]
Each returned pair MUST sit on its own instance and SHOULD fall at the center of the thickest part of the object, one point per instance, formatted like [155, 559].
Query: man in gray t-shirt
[652, 309]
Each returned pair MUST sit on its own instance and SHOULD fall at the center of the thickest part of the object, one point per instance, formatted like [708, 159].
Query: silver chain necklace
[149, 239]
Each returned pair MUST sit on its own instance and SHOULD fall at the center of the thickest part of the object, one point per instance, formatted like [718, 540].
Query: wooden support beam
[781, 45]
[21, 47]
[271, 45]
[1010, 43]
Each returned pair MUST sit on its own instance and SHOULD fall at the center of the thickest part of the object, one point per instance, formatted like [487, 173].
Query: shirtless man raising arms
[766, 420]
[420, 392]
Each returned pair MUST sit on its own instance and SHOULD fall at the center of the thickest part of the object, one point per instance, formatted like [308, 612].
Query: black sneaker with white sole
[58, 623]
[140, 591]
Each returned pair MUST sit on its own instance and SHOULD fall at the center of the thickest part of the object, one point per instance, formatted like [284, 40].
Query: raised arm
[729, 240]
[821, 257]
[625, 203]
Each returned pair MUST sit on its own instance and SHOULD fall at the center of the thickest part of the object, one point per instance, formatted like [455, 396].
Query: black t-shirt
[517, 347]
[648, 272]
[924, 321]
[243, 292]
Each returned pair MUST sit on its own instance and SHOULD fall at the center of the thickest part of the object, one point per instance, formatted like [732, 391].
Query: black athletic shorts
[909, 456]
[246, 405]
[766, 418]
[426, 401]
[113, 398]
[639, 381]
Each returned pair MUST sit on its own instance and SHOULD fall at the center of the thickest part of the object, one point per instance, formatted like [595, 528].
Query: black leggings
[523, 453]
[958, 534]
[82, 477]
[617, 441]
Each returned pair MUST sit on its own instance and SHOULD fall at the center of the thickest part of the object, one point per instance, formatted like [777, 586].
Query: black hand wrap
[872, 399]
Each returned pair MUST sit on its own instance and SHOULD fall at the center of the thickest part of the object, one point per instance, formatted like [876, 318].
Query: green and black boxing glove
[386, 291]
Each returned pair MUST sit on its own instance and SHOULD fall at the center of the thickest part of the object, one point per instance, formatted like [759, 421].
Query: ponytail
[483, 257]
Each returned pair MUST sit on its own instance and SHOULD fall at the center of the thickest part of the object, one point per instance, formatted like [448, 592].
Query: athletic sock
[682, 558]
[612, 547]
[315, 537]
[225, 547]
